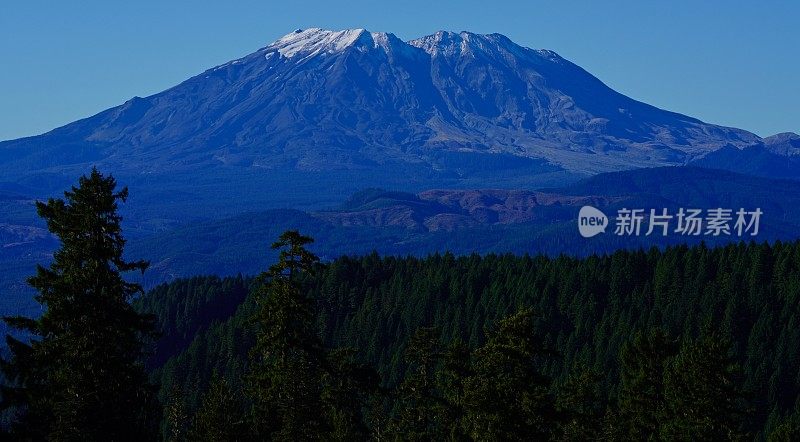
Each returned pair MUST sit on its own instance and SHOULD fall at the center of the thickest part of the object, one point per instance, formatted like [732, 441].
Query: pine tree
[507, 397]
[456, 367]
[80, 376]
[418, 400]
[287, 360]
[176, 418]
[348, 388]
[788, 430]
[641, 399]
[581, 403]
[220, 417]
[703, 394]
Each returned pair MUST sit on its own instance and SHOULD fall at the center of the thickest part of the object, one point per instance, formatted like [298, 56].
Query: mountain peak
[314, 41]
[351, 99]
[448, 43]
[306, 43]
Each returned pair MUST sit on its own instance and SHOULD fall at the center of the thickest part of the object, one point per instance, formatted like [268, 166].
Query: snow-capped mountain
[326, 113]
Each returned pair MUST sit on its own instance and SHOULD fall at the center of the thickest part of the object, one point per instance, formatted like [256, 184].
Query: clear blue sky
[730, 63]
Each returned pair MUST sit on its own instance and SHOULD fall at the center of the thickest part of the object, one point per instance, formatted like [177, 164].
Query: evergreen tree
[80, 377]
[419, 405]
[176, 418]
[788, 430]
[641, 400]
[220, 417]
[456, 367]
[580, 402]
[507, 397]
[703, 394]
[287, 360]
[592, 308]
[348, 388]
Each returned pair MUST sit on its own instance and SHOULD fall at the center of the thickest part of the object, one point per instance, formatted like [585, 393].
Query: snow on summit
[314, 41]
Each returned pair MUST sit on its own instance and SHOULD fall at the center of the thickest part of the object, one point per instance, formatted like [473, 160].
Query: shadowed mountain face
[777, 156]
[435, 111]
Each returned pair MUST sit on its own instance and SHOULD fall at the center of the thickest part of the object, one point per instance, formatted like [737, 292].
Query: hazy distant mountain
[443, 110]
[777, 156]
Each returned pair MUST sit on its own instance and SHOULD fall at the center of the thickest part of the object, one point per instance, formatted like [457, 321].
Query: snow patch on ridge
[449, 43]
[306, 43]
[314, 41]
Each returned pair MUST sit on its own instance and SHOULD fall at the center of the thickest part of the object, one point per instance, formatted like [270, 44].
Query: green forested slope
[586, 310]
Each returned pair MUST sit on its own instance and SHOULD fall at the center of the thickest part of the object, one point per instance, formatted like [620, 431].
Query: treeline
[632, 334]
[680, 344]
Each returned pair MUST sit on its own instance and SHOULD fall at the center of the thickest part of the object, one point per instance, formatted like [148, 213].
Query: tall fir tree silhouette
[80, 376]
[287, 361]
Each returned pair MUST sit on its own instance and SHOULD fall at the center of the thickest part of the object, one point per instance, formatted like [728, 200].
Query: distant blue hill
[777, 156]
[466, 221]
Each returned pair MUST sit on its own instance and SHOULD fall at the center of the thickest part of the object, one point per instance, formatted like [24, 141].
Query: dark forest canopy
[593, 316]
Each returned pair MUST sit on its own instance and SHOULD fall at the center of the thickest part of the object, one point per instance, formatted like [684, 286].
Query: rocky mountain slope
[433, 111]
